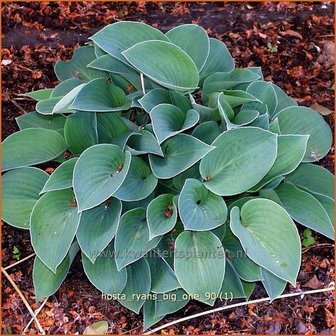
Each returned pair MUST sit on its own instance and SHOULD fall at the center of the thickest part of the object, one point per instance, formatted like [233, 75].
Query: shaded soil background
[292, 42]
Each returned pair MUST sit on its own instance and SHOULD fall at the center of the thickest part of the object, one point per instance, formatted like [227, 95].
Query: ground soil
[292, 42]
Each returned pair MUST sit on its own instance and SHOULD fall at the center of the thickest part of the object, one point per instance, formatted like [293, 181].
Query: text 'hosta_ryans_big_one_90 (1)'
[176, 173]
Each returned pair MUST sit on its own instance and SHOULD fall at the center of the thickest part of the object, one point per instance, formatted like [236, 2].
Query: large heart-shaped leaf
[305, 209]
[132, 238]
[265, 92]
[77, 66]
[313, 178]
[170, 302]
[20, 192]
[61, 178]
[197, 47]
[119, 36]
[161, 215]
[207, 131]
[103, 274]
[199, 208]
[149, 317]
[138, 285]
[232, 287]
[262, 226]
[164, 63]
[283, 99]
[143, 142]
[36, 120]
[53, 225]
[246, 268]
[39, 94]
[291, 150]
[218, 60]
[274, 286]
[139, 182]
[80, 131]
[200, 254]
[163, 277]
[221, 81]
[153, 98]
[46, 283]
[95, 183]
[31, 146]
[243, 156]
[180, 152]
[303, 120]
[101, 96]
[97, 227]
[168, 120]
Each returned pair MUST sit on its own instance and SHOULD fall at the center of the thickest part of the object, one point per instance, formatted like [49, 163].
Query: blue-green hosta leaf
[39, 94]
[313, 178]
[149, 317]
[103, 274]
[262, 226]
[120, 36]
[97, 227]
[137, 204]
[164, 63]
[77, 66]
[232, 286]
[180, 152]
[101, 96]
[207, 131]
[112, 65]
[53, 225]
[274, 126]
[98, 51]
[265, 92]
[161, 215]
[153, 98]
[163, 277]
[61, 178]
[180, 100]
[46, 106]
[274, 286]
[138, 285]
[80, 131]
[168, 120]
[199, 208]
[46, 283]
[303, 120]
[328, 205]
[270, 194]
[218, 60]
[291, 150]
[238, 97]
[220, 81]
[262, 121]
[245, 117]
[144, 142]
[197, 47]
[243, 156]
[246, 268]
[190, 251]
[170, 302]
[192, 172]
[20, 192]
[305, 209]
[65, 87]
[139, 182]
[283, 99]
[31, 146]
[132, 238]
[36, 120]
[220, 231]
[98, 173]
[248, 288]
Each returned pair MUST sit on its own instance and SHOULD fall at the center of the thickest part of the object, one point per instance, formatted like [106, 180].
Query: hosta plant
[177, 176]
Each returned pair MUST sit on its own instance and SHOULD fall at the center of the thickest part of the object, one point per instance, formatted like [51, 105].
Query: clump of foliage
[178, 175]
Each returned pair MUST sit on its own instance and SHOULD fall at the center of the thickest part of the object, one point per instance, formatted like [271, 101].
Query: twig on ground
[22, 110]
[317, 246]
[302, 294]
[35, 315]
[24, 300]
[19, 262]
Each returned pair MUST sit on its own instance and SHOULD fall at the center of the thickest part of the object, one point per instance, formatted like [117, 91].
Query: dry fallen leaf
[321, 109]
[291, 33]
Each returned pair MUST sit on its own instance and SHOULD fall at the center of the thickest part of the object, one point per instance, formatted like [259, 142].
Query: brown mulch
[292, 42]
